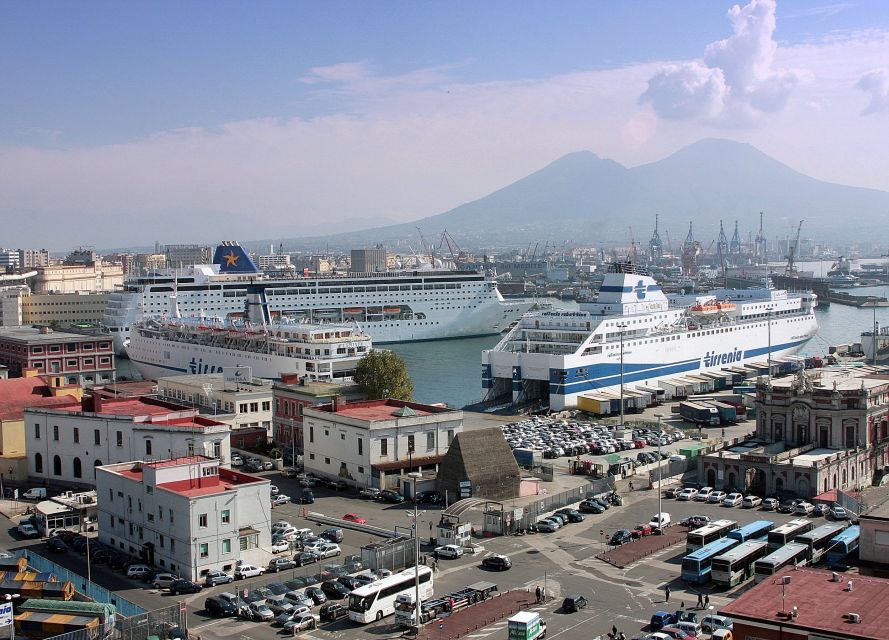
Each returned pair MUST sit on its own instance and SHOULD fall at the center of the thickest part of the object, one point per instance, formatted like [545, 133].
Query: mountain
[583, 198]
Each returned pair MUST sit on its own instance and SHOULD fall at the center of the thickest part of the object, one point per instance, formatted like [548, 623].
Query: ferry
[554, 356]
[398, 306]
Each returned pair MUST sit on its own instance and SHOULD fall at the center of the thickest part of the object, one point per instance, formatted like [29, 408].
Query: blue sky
[110, 95]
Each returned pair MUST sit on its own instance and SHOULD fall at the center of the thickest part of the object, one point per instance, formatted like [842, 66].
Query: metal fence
[158, 623]
[90, 589]
[80, 634]
[534, 510]
[394, 555]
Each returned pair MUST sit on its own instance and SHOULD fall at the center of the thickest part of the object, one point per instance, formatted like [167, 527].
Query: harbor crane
[793, 251]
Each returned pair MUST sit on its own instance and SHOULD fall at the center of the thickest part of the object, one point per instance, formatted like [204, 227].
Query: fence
[90, 589]
[157, 623]
[537, 508]
[394, 555]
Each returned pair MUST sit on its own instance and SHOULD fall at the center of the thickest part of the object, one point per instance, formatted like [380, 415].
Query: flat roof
[815, 455]
[32, 335]
[821, 604]
[383, 410]
[18, 394]
[224, 480]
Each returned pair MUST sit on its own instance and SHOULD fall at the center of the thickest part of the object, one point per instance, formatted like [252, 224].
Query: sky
[125, 123]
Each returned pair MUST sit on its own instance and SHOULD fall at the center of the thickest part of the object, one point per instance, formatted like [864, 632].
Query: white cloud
[736, 81]
[875, 83]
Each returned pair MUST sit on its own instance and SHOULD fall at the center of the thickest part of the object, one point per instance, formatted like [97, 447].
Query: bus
[818, 540]
[791, 554]
[780, 536]
[843, 545]
[696, 565]
[699, 538]
[757, 530]
[376, 600]
[736, 565]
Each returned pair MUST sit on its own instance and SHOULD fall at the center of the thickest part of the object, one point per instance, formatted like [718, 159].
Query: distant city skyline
[129, 123]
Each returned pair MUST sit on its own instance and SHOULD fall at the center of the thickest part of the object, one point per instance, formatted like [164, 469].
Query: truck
[526, 625]
[434, 607]
[528, 457]
[699, 413]
[728, 413]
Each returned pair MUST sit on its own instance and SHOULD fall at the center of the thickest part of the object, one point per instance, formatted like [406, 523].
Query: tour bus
[376, 600]
[696, 565]
[843, 545]
[792, 554]
[818, 540]
[736, 565]
[699, 538]
[757, 530]
[780, 536]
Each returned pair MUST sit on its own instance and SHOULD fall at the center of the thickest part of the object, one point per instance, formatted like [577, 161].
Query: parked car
[689, 493]
[237, 460]
[260, 611]
[334, 590]
[35, 493]
[214, 578]
[301, 623]
[660, 520]
[703, 494]
[733, 500]
[280, 546]
[546, 526]
[751, 501]
[770, 504]
[786, 507]
[298, 599]
[354, 517]
[334, 534]
[573, 515]
[804, 509]
[589, 506]
[387, 495]
[27, 530]
[641, 530]
[820, 510]
[268, 465]
[316, 594]
[349, 582]
[695, 522]
[56, 545]
[253, 465]
[621, 536]
[219, 607]
[574, 602]
[369, 493]
[274, 490]
[661, 619]
[305, 557]
[713, 622]
[329, 550]
[836, 512]
[137, 570]
[307, 496]
[184, 586]
[333, 611]
[280, 499]
[164, 580]
[247, 571]
[716, 497]
[497, 562]
[281, 564]
[449, 551]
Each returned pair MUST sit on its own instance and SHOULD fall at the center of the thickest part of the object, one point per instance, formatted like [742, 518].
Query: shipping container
[40, 624]
[699, 413]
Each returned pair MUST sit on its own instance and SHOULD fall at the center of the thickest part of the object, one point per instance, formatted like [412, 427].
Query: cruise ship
[554, 356]
[390, 307]
[163, 347]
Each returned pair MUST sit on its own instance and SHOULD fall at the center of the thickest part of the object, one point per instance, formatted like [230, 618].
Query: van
[690, 628]
[37, 493]
[713, 622]
[660, 520]
[572, 603]
[137, 570]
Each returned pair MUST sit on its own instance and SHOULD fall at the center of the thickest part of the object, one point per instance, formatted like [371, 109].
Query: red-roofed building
[371, 443]
[83, 358]
[16, 395]
[185, 515]
[63, 444]
[812, 606]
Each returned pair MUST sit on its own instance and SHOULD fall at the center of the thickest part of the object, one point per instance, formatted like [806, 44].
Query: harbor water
[450, 370]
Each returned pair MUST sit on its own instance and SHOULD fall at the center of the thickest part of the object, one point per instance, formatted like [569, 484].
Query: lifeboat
[391, 310]
[704, 309]
[727, 306]
[353, 310]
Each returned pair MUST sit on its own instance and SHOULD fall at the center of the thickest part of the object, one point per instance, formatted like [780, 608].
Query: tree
[382, 374]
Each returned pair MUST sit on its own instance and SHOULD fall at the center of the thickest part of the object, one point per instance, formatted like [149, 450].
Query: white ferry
[391, 307]
[555, 356]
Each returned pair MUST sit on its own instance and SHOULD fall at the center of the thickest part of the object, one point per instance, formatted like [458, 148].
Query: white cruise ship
[391, 307]
[163, 347]
[554, 356]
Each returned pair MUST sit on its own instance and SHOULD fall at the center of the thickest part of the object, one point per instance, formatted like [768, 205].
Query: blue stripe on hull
[160, 366]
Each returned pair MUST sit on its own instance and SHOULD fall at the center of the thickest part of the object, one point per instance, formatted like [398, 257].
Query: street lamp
[416, 521]
[622, 327]
[659, 474]
[9, 598]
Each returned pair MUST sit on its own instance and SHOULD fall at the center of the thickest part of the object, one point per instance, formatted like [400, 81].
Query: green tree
[382, 374]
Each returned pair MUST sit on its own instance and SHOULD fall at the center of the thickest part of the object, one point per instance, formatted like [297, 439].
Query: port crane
[793, 251]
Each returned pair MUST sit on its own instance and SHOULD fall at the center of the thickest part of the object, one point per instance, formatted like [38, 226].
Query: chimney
[29, 372]
[335, 403]
[290, 378]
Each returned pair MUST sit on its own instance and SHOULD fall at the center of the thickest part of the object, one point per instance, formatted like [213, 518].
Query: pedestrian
[707, 601]
[667, 593]
[537, 591]
[682, 605]
[614, 630]
[543, 594]
[700, 600]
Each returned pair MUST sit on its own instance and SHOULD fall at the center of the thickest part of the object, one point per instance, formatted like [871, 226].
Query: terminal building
[816, 432]
[82, 358]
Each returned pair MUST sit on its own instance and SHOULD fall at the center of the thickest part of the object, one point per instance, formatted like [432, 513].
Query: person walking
[707, 601]
[537, 591]
[614, 630]
[667, 593]
[700, 600]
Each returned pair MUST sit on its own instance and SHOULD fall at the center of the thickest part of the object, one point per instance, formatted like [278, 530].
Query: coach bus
[376, 600]
[758, 530]
[843, 545]
[780, 536]
[818, 540]
[699, 538]
[792, 554]
[696, 566]
[736, 565]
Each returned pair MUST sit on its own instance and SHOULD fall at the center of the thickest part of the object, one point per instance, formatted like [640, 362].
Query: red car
[639, 444]
[641, 530]
[354, 517]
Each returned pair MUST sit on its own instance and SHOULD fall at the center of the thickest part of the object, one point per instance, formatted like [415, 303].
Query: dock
[841, 297]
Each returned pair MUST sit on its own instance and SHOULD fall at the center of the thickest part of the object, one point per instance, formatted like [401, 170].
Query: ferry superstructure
[556, 355]
[163, 347]
[391, 307]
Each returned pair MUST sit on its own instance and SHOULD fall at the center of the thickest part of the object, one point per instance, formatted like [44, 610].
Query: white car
[281, 524]
[237, 460]
[449, 551]
[280, 499]
[716, 497]
[704, 494]
[274, 490]
[281, 546]
[804, 509]
[301, 622]
[733, 500]
[770, 504]
[689, 493]
[28, 530]
[137, 570]
[248, 571]
[751, 501]
[329, 550]
[314, 545]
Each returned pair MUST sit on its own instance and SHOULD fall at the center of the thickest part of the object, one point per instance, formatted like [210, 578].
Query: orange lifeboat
[391, 309]
[704, 309]
[727, 306]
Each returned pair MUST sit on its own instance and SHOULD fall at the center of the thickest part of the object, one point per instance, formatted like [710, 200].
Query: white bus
[791, 554]
[780, 536]
[377, 599]
[736, 565]
[700, 538]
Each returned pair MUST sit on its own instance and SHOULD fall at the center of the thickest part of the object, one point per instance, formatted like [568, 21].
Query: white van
[37, 493]
[660, 520]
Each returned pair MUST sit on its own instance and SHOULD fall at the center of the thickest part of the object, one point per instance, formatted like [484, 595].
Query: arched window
[97, 463]
[78, 469]
[38, 463]
[56, 466]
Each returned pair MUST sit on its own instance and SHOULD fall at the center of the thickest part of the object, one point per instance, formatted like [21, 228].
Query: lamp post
[622, 327]
[659, 492]
[416, 528]
[9, 598]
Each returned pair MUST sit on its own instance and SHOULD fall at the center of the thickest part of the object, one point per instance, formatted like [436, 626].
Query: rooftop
[821, 604]
[383, 410]
[216, 381]
[143, 410]
[39, 335]
[319, 388]
[18, 394]
[841, 378]
[192, 487]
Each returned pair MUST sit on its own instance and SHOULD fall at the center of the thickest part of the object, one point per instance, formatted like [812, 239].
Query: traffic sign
[5, 613]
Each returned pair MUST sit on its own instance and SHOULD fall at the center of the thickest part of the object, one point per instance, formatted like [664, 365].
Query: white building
[240, 404]
[63, 444]
[372, 443]
[185, 515]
